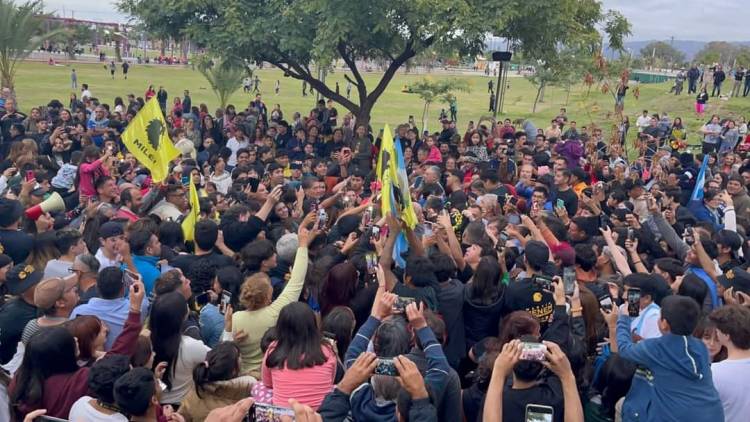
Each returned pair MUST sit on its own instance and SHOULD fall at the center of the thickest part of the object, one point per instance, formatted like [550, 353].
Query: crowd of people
[553, 274]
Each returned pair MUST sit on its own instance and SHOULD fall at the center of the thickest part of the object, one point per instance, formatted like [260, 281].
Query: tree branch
[350, 80]
[352, 64]
[391, 71]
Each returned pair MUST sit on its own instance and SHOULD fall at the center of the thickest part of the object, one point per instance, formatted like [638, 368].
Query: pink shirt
[89, 172]
[309, 386]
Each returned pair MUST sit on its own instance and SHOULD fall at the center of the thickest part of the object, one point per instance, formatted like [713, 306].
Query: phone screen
[539, 413]
[226, 299]
[30, 175]
[569, 280]
[560, 203]
[605, 302]
[129, 277]
[634, 301]
[261, 412]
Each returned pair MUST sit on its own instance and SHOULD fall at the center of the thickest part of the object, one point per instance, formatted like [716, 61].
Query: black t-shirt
[547, 393]
[570, 199]
[13, 318]
[187, 263]
[17, 244]
[237, 234]
[522, 295]
[450, 305]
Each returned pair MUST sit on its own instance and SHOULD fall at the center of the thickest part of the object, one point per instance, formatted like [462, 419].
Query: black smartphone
[202, 299]
[631, 234]
[399, 307]
[542, 282]
[569, 280]
[226, 299]
[386, 367]
[606, 303]
[262, 412]
[688, 235]
[634, 301]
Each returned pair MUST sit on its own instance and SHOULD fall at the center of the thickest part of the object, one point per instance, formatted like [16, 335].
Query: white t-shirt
[646, 324]
[235, 145]
[731, 381]
[57, 268]
[83, 411]
[192, 352]
[105, 262]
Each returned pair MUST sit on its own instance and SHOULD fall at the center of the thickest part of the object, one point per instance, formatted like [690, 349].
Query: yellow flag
[147, 138]
[188, 224]
[395, 197]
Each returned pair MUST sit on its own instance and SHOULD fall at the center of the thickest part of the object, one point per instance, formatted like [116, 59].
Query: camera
[542, 282]
[386, 367]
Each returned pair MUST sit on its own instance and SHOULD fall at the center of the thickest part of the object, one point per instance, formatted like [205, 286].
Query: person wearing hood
[673, 381]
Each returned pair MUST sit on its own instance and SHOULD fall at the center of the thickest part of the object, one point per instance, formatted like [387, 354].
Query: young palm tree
[225, 77]
[20, 34]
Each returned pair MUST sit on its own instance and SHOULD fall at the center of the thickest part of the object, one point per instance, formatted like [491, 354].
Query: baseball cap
[537, 253]
[22, 277]
[110, 229]
[51, 290]
[737, 278]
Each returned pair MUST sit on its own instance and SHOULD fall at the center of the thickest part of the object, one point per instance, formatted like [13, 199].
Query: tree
[72, 36]
[662, 54]
[224, 77]
[442, 90]
[617, 28]
[20, 34]
[296, 35]
[723, 53]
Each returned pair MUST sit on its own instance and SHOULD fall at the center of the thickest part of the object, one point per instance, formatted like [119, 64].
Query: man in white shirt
[653, 288]
[85, 93]
[236, 143]
[643, 121]
[731, 375]
[111, 236]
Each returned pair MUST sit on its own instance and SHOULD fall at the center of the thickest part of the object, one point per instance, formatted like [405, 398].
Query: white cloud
[699, 20]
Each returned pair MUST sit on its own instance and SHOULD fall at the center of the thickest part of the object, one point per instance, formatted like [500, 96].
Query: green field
[37, 83]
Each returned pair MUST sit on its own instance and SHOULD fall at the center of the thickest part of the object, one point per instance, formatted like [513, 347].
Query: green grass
[37, 83]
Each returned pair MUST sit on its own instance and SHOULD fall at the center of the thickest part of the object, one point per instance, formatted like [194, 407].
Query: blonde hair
[255, 291]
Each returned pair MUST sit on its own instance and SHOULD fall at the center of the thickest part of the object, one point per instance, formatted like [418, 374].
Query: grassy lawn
[37, 83]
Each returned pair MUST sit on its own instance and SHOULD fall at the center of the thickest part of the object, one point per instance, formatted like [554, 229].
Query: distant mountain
[689, 47]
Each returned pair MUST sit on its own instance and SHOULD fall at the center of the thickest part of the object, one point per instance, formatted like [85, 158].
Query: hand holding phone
[634, 302]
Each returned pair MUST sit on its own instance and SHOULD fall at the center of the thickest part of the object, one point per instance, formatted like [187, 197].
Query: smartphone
[560, 203]
[30, 175]
[399, 307]
[129, 277]
[386, 367]
[512, 200]
[569, 280]
[322, 218]
[542, 282]
[371, 260]
[262, 412]
[226, 299]
[45, 418]
[631, 234]
[202, 299]
[688, 235]
[185, 180]
[634, 301]
[539, 413]
[605, 302]
[514, 219]
[533, 351]
[428, 228]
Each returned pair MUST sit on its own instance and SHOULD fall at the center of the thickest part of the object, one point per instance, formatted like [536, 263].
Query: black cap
[537, 253]
[110, 229]
[737, 278]
[10, 211]
[22, 277]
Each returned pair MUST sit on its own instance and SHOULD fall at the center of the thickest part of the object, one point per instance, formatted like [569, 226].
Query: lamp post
[502, 74]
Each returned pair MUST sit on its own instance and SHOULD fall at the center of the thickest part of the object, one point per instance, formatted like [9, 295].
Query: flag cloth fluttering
[147, 139]
[188, 224]
[395, 197]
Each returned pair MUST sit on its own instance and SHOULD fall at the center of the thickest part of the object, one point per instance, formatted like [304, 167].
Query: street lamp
[502, 75]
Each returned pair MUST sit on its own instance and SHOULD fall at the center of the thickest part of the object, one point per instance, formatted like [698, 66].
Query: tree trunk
[539, 93]
[425, 113]
[118, 54]
[163, 48]
[567, 97]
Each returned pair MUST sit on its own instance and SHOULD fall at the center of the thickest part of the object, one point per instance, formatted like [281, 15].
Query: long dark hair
[339, 288]
[299, 344]
[485, 285]
[167, 314]
[49, 352]
[222, 363]
[339, 323]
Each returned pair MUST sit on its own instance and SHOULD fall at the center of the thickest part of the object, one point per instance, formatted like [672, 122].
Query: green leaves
[225, 77]
[20, 34]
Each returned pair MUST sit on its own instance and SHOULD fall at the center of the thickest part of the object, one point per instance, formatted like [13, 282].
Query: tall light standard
[502, 77]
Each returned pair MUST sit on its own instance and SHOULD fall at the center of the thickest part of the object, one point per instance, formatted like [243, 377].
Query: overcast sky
[701, 20]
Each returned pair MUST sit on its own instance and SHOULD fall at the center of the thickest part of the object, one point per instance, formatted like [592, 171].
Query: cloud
[685, 19]
[700, 20]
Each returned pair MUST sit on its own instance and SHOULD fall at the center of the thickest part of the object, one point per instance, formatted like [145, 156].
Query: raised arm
[454, 245]
[299, 270]
[504, 363]
[273, 198]
[620, 261]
